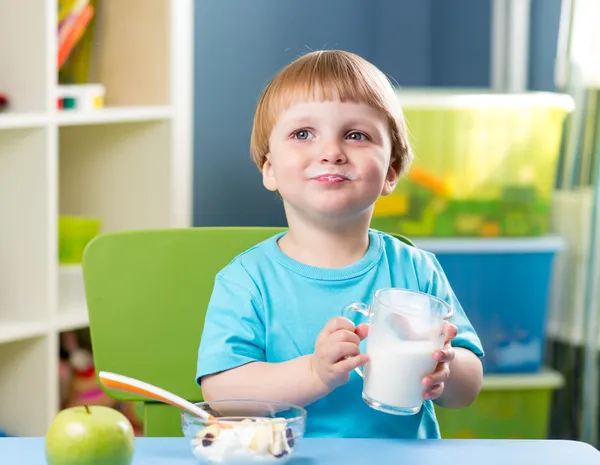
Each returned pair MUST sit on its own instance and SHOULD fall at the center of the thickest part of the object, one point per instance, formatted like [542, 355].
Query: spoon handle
[134, 386]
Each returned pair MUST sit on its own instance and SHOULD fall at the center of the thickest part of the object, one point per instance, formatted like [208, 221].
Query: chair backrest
[147, 292]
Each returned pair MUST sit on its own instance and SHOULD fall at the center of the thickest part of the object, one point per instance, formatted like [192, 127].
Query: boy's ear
[268, 176]
[391, 179]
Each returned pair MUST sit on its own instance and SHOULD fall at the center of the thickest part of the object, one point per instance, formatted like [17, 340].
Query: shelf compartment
[118, 173]
[72, 319]
[26, 249]
[25, 70]
[26, 404]
[72, 307]
[132, 51]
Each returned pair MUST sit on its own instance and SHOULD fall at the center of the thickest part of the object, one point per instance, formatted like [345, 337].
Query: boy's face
[330, 159]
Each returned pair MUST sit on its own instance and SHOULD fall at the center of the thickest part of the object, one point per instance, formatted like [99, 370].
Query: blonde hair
[328, 75]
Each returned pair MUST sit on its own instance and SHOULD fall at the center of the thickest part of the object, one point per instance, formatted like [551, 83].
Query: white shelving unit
[129, 164]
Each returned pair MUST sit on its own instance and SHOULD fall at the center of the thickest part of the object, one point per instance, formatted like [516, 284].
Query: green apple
[94, 435]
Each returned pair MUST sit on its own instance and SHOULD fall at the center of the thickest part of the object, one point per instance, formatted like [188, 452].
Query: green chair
[147, 292]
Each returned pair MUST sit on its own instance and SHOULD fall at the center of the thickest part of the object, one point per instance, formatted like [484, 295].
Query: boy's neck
[326, 246]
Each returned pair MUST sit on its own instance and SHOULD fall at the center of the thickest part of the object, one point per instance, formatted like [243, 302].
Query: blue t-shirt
[268, 307]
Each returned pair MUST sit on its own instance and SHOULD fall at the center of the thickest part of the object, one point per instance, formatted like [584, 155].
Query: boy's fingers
[444, 355]
[438, 377]
[451, 332]
[337, 323]
[434, 392]
[333, 325]
[340, 350]
[350, 363]
[362, 331]
[343, 335]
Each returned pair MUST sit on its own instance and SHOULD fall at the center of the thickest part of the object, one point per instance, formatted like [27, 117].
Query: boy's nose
[333, 153]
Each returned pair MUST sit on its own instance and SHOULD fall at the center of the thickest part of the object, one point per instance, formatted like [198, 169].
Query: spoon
[133, 386]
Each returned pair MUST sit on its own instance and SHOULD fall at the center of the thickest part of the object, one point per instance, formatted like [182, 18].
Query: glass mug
[406, 327]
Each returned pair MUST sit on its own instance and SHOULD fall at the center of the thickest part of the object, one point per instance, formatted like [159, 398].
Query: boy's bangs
[305, 84]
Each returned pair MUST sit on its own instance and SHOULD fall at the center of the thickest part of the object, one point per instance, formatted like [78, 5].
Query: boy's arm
[300, 381]
[464, 383]
[293, 381]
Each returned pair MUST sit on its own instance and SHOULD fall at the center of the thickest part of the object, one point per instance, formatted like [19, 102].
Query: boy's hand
[434, 383]
[337, 352]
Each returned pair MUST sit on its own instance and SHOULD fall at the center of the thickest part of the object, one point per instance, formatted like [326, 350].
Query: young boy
[329, 138]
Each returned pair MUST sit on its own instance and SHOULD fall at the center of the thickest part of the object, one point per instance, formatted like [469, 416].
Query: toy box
[508, 407]
[484, 164]
[503, 284]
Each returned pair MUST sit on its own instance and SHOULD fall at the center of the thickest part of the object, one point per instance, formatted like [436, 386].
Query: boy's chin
[343, 212]
[334, 210]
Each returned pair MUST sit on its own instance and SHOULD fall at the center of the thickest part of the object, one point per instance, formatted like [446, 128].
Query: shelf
[120, 174]
[113, 115]
[22, 120]
[11, 331]
[28, 402]
[25, 249]
[71, 320]
[128, 164]
[23, 54]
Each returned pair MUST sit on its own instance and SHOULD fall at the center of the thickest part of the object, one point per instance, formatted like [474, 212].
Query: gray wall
[545, 18]
[241, 44]
[402, 43]
[460, 30]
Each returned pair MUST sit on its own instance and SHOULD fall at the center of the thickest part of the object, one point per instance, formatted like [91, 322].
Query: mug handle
[363, 309]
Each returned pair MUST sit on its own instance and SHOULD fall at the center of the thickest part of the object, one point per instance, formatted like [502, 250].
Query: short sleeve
[440, 287]
[234, 332]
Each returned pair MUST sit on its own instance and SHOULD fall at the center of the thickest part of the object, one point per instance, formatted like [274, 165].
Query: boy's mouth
[331, 178]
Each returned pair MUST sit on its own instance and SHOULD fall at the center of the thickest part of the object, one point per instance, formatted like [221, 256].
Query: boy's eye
[357, 135]
[301, 134]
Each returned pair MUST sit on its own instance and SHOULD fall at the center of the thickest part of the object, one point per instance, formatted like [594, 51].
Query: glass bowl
[245, 431]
